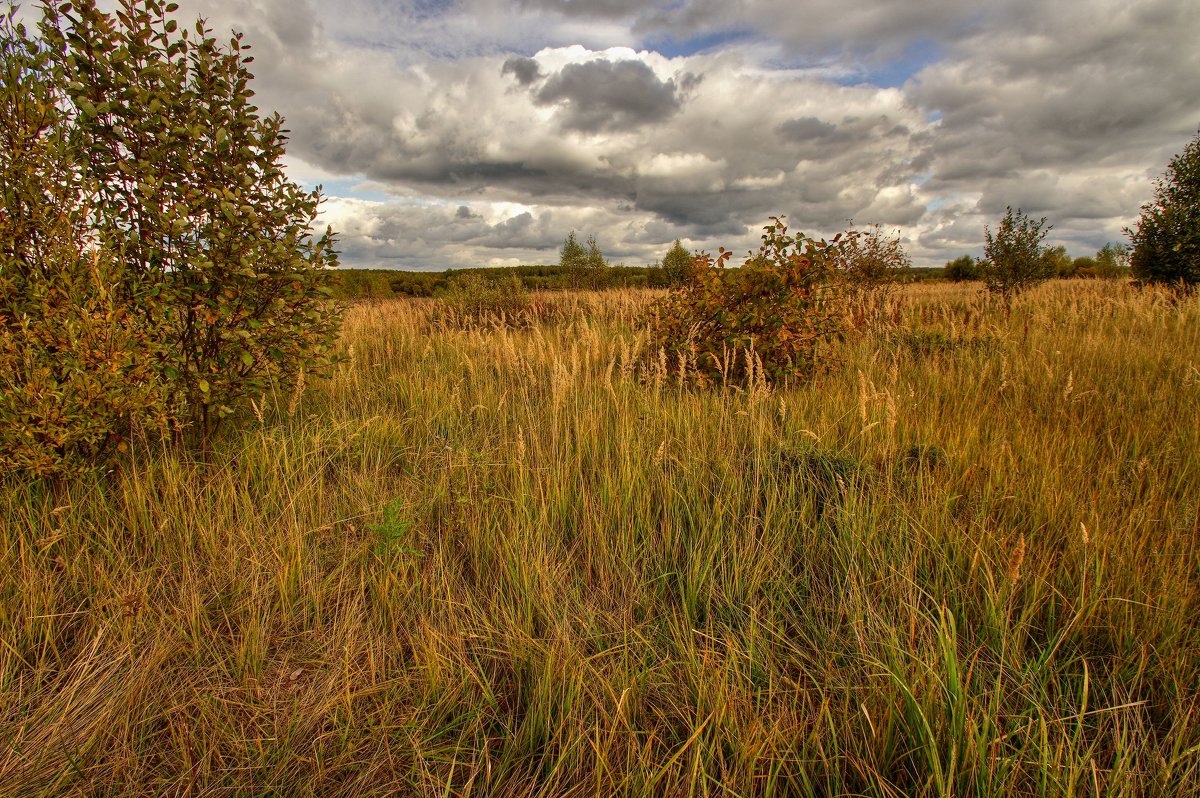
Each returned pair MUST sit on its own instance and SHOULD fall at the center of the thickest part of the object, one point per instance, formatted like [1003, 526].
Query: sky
[480, 132]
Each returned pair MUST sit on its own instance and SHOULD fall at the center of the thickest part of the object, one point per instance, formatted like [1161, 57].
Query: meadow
[519, 560]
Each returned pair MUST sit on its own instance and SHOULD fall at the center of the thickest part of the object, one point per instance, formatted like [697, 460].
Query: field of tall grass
[514, 560]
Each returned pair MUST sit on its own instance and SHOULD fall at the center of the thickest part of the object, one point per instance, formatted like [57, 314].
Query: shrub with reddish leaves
[769, 321]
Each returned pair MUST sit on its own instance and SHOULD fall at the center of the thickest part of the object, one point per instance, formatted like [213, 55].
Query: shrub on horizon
[584, 264]
[870, 265]
[961, 269]
[1112, 261]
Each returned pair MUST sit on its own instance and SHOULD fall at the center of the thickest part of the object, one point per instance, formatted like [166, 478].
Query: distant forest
[386, 283]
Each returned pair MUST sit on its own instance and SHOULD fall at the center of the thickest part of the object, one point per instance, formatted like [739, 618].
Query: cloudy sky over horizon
[479, 132]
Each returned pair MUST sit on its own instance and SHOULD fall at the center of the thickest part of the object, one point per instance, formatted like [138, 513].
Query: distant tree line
[1110, 262]
[362, 284]
[581, 265]
[385, 283]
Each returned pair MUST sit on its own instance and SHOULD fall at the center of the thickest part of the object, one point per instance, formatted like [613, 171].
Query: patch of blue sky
[349, 188]
[673, 48]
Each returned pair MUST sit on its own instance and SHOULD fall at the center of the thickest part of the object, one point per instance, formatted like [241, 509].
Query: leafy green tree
[1014, 258]
[573, 259]
[584, 263]
[77, 364]
[1166, 241]
[214, 239]
[676, 264]
[961, 269]
[594, 264]
[1058, 262]
[1112, 261]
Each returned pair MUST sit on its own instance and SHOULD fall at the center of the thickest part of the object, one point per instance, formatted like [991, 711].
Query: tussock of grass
[498, 561]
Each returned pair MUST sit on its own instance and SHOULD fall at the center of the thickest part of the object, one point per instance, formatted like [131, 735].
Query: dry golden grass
[516, 561]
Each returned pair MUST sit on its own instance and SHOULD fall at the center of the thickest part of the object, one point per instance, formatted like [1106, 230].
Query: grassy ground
[490, 562]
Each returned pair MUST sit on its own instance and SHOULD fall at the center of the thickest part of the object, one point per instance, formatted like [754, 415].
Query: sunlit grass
[519, 561]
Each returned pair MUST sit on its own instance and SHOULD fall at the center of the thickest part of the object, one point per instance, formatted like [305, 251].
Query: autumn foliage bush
[78, 374]
[157, 267]
[191, 192]
[77, 364]
[76, 378]
[769, 321]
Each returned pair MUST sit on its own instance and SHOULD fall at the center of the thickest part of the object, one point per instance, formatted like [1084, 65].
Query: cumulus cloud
[604, 95]
[482, 131]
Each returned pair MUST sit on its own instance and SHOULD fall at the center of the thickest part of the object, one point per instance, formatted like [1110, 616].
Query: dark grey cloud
[806, 129]
[605, 95]
[524, 231]
[704, 215]
[525, 70]
[868, 31]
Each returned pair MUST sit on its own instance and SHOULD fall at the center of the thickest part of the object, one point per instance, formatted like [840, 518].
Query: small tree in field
[676, 264]
[573, 259]
[770, 320]
[190, 195]
[1014, 258]
[594, 264]
[583, 263]
[77, 364]
[872, 259]
[1166, 241]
